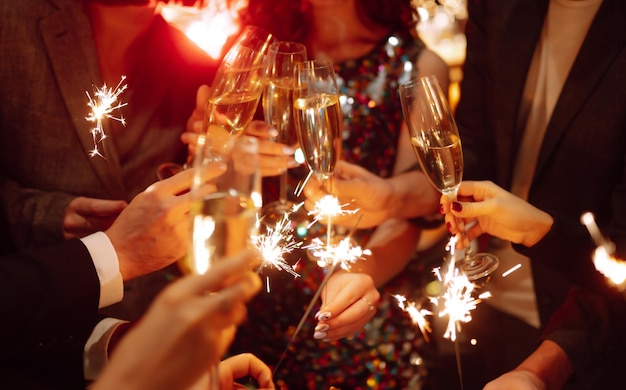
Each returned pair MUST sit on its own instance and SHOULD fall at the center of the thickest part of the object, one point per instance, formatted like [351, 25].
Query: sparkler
[456, 302]
[612, 268]
[275, 244]
[328, 207]
[417, 314]
[102, 106]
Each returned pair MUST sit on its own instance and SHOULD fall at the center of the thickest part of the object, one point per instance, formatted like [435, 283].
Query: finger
[261, 129]
[97, 207]
[248, 364]
[191, 138]
[221, 273]
[202, 96]
[340, 331]
[352, 319]
[181, 182]
[344, 296]
[240, 292]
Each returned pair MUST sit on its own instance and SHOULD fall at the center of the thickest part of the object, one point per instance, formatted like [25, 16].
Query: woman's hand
[349, 301]
[357, 188]
[275, 158]
[239, 366]
[496, 212]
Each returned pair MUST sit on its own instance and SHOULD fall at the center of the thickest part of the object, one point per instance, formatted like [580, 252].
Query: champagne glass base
[169, 169]
[478, 265]
[275, 212]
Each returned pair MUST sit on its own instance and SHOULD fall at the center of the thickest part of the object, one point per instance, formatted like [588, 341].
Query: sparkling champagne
[318, 124]
[223, 223]
[278, 108]
[442, 162]
[232, 112]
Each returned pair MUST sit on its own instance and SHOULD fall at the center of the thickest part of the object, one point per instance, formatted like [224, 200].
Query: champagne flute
[235, 91]
[318, 121]
[223, 212]
[437, 145]
[278, 109]
[318, 116]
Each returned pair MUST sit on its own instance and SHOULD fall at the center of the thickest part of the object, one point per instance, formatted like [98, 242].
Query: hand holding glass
[234, 93]
[278, 109]
[437, 145]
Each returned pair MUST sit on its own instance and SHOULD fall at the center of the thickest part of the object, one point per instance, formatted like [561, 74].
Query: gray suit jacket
[48, 64]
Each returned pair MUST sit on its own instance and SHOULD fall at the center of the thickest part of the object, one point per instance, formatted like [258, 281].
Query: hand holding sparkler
[349, 302]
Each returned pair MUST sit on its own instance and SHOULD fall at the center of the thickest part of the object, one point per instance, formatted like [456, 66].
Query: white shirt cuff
[107, 266]
[95, 356]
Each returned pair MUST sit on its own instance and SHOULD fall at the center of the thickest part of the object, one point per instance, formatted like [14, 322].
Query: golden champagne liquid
[442, 164]
[278, 109]
[232, 112]
[318, 124]
[223, 223]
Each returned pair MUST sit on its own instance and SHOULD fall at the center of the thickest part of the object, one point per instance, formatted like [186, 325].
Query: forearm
[412, 196]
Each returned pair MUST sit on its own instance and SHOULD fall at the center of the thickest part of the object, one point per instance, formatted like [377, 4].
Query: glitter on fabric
[383, 356]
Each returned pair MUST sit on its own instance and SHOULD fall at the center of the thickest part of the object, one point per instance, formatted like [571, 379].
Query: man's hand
[84, 216]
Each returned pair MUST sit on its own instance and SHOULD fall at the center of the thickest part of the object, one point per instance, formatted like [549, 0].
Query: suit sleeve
[49, 304]
[589, 328]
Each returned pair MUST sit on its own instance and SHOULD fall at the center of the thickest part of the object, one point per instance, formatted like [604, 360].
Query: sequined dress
[388, 354]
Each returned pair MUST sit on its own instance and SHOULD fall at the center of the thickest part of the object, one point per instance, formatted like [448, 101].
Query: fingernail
[273, 132]
[288, 150]
[449, 226]
[322, 315]
[320, 335]
[456, 206]
[322, 327]
[441, 209]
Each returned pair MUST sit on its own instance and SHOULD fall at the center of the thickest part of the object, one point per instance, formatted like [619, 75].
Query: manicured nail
[441, 209]
[456, 206]
[322, 315]
[320, 335]
[322, 327]
[288, 151]
[449, 226]
[273, 132]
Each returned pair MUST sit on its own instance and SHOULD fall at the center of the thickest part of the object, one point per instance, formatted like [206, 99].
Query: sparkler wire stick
[308, 310]
[457, 352]
[306, 314]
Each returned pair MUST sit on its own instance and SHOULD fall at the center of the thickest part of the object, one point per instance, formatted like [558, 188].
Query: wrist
[549, 364]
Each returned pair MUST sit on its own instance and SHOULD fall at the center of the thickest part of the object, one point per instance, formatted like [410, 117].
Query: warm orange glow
[612, 268]
[208, 24]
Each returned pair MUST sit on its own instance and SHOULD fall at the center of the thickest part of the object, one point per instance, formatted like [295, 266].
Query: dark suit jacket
[582, 161]
[48, 64]
[49, 305]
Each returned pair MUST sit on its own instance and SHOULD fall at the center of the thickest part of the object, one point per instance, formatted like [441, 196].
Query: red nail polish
[441, 209]
[456, 206]
[449, 226]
